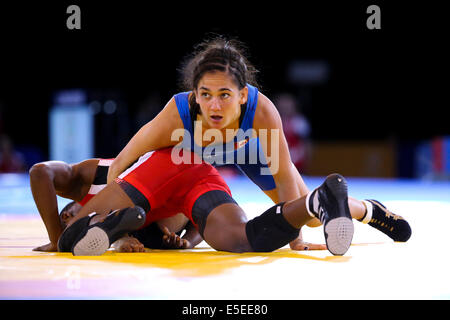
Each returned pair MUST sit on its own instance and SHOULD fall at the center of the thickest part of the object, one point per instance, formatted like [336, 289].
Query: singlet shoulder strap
[252, 101]
[182, 102]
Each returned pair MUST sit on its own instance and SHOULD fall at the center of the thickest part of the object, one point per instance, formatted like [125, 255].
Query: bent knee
[231, 238]
[314, 223]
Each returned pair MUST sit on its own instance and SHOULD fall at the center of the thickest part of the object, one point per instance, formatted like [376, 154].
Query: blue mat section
[359, 188]
[16, 197]
[15, 194]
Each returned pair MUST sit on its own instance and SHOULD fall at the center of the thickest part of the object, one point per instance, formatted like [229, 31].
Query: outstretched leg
[227, 229]
[380, 218]
[225, 226]
[370, 212]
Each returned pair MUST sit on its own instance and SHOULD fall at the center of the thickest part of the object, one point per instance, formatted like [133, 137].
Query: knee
[232, 238]
[241, 243]
[270, 231]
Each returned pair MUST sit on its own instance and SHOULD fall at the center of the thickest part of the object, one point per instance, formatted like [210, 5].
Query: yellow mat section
[374, 267]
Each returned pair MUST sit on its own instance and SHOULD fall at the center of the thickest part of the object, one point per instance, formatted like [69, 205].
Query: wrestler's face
[220, 100]
[68, 214]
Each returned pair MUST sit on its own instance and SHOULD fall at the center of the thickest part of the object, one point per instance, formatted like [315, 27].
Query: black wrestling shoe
[329, 203]
[394, 226]
[71, 233]
[97, 238]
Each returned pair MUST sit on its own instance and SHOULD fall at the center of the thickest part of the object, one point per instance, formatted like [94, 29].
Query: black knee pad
[270, 231]
[71, 233]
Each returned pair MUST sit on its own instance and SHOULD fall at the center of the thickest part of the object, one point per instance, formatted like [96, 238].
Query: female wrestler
[223, 98]
[156, 187]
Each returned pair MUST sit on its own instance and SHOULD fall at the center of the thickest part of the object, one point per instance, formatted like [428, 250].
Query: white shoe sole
[94, 243]
[339, 235]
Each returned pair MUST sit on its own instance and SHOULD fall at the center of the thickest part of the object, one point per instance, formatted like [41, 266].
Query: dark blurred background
[358, 101]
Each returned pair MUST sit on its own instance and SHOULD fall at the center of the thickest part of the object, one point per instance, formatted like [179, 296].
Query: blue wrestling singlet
[244, 151]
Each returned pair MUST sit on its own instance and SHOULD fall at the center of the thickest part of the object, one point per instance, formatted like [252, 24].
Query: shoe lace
[388, 213]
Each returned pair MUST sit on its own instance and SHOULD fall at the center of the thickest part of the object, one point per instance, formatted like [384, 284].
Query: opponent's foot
[329, 203]
[96, 239]
[394, 226]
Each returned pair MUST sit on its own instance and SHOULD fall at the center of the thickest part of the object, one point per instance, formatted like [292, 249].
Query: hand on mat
[128, 244]
[173, 241]
[299, 245]
[49, 247]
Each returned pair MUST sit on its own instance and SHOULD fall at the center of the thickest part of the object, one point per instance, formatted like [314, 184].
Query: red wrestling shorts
[164, 188]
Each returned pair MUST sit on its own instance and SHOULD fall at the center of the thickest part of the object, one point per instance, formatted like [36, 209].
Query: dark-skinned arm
[51, 178]
[42, 183]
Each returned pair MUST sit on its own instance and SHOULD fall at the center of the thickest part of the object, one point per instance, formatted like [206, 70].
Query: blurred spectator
[11, 161]
[296, 129]
[2, 126]
[148, 109]
[113, 126]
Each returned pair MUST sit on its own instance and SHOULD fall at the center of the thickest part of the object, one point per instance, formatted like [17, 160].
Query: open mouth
[216, 118]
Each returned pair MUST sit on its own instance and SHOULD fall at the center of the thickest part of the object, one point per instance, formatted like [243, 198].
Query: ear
[243, 95]
[196, 95]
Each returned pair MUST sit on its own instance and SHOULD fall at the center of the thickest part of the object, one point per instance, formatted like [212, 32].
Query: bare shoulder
[50, 168]
[85, 170]
[266, 114]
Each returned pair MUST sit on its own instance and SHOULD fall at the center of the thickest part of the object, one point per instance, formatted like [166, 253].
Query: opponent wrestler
[80, 182]
[222, 97]
[156, 186]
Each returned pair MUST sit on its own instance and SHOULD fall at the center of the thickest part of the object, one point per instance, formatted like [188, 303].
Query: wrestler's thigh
[112, 197]
[225, 229]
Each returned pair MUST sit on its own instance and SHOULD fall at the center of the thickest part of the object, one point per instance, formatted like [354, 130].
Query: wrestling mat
[375, 267]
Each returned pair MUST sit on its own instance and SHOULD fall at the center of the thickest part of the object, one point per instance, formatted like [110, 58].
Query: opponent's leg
[220, 221]
[329, 203]
[379, 217]
[371, 212]
[376, 215]
[225, 229]
[224, 226]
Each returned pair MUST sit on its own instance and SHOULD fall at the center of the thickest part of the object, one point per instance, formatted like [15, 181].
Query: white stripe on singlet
[96, 188]
[137, 164]
[105, 162]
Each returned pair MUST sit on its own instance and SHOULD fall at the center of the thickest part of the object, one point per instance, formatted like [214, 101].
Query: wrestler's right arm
[51, 178]
[43, 177]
